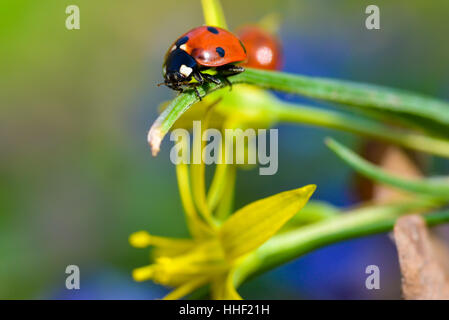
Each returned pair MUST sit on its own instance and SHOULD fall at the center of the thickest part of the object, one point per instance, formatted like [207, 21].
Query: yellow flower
[220, 241]
[219, 244]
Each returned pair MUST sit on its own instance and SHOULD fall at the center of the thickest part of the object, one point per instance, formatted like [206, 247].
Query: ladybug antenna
[160, 84]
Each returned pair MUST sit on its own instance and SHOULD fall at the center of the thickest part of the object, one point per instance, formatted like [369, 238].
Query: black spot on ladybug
[212, 29]
[220, 51]
[181, 41]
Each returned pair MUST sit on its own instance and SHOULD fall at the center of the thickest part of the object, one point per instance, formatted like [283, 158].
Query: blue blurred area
[107, 284]
[334, 272]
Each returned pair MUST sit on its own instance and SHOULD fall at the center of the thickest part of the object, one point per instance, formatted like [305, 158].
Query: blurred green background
[76, 174]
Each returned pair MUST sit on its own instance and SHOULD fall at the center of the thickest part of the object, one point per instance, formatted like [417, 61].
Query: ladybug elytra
[202, 48]
[264, 49]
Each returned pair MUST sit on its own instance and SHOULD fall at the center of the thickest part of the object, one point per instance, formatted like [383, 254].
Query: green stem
[225, 206]
[370, 97]
[291, 245]
[349, 93]
[431, 187]
[213, 13]
[359, 125]
[218, 183]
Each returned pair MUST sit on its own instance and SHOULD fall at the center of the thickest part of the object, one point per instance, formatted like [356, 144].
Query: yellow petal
[142, 239]
[143, 273]
[223, 288]
[257, 222]
[186, 288]
[205, 259]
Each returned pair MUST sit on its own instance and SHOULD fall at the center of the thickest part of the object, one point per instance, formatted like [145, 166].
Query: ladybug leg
[192, 86]
[211, 78]
[197, 93]
[229, 70]
[198, 77]
[225, 78]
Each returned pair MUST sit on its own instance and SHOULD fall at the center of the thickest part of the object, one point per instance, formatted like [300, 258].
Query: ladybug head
[174, 80]
[178, 69]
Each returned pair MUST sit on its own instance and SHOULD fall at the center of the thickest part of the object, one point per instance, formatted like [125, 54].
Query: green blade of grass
[423, 186]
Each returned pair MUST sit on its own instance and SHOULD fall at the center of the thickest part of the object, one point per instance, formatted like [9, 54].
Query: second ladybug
[200, 49]
[264, 49]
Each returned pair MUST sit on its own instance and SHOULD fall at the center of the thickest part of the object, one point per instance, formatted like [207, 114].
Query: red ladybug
[264, 50]
[198, 50]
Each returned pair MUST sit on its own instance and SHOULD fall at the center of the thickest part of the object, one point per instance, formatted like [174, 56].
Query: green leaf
[251, 226]
[167, 118]
[171, 113]
[213, 13]
[430, 187]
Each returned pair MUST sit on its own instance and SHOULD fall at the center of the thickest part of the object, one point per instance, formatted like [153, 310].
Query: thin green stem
[217, 186]
[198, 173]
[225, 206]
[360, 125]
[213, 14]
[349, 93]
[435, 188]
[291, 245]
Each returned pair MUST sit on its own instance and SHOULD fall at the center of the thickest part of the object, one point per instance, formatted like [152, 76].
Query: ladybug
[202, 48]
[264, 50]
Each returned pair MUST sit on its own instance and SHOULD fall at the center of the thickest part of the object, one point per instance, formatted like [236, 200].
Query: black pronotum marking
[181, 41]
[220, 51]
[212, 29]
[176, 59]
